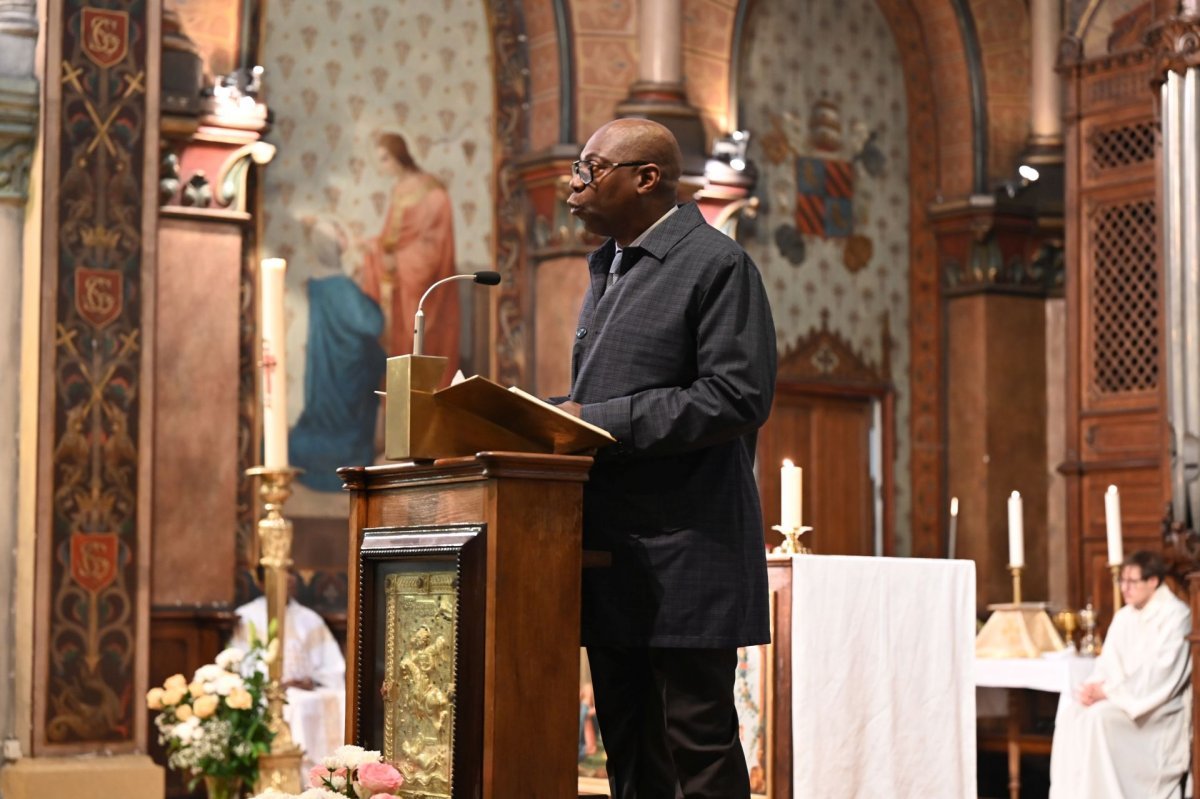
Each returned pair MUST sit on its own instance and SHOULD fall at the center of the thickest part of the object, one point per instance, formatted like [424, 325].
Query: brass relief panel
[419, 680]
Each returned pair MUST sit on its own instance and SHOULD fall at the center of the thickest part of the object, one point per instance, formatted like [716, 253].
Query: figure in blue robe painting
[344, 367]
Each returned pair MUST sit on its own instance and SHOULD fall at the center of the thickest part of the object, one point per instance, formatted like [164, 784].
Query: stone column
[659, 92]
[1046, 104]
[18, 125]
[661, 43]
[997, 278]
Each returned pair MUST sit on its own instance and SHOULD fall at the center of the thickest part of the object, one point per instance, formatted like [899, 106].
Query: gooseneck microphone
[483, 278]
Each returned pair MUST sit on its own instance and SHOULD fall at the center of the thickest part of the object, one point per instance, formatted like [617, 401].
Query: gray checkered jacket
[677, 360]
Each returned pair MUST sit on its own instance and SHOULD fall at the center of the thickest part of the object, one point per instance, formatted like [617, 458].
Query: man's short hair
[1150, 563]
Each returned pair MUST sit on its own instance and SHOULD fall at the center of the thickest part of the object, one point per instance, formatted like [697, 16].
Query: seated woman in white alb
[1125, 732]
[314, 673]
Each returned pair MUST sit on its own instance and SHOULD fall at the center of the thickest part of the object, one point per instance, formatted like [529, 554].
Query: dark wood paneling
[1116, 379]
[829, 437]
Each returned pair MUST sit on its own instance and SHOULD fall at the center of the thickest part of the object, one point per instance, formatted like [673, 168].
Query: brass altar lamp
[280, 768]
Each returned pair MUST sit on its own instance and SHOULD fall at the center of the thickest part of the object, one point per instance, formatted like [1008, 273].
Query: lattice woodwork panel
[1121, 146]
[1124, 297]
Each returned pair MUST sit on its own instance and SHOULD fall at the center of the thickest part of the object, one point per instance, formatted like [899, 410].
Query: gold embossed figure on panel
[419, 681]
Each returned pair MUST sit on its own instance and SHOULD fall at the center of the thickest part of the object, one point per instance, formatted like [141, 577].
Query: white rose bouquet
[216, 724]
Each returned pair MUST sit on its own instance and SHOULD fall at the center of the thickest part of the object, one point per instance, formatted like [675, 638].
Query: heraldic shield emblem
[98, 295]
[104, 35]
[94, 560]
[824, 197]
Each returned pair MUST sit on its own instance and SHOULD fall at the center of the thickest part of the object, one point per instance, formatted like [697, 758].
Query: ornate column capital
[1176, 45]
[18, 126]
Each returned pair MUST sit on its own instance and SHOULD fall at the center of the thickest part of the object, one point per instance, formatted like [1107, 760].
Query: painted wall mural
[822, 93]
[383, 183]
[89, 660]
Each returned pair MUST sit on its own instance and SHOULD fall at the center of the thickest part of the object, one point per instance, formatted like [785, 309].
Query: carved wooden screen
[1124, 298]
[1115, 397]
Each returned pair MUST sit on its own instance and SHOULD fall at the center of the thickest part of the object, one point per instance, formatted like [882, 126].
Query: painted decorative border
[90, 663]
[510, 58]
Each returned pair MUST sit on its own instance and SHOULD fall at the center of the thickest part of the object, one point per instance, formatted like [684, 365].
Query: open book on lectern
[524, 414]
[473, 415]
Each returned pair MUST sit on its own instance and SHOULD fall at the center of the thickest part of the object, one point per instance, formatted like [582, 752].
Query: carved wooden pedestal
[464, 622]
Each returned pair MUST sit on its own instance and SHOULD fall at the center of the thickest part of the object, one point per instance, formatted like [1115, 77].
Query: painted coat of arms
[104, 35]
[828, 164]
[98, 295]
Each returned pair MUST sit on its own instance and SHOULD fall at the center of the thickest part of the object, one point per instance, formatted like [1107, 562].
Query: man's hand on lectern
[572, 408]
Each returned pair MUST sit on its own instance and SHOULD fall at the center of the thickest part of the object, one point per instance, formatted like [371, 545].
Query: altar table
[1059, 673]
[883, 685]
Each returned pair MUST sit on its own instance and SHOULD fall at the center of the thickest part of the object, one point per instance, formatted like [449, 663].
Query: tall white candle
[1112, 523]
[1016, 530]
[951, 543]
[274, 374]
[791, 490]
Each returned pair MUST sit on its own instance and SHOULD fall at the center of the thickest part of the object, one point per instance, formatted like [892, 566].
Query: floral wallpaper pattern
[822, 93]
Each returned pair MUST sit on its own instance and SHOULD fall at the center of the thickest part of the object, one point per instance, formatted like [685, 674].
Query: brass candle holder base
[1018, 630]
[1015, 571]
[280, 769]
[791, 541]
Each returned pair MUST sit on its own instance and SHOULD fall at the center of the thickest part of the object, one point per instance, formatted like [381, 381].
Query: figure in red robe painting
[414, 250]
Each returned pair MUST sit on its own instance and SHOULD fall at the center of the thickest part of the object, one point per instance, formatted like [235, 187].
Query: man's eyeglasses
[586, 170]
[1124, 581]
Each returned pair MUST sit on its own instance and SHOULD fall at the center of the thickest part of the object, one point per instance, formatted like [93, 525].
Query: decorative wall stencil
[89, 661]
[830, 139]
[336, 78]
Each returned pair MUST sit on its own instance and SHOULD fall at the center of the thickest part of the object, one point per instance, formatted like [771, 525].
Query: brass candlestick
[1016, 570]
[791, 540]
[280, 769]
[1118, 601]
[1068, 620]
[1090, 643]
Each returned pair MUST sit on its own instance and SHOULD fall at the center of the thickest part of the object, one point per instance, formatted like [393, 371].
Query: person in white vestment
[1125, 733]
[314, 673]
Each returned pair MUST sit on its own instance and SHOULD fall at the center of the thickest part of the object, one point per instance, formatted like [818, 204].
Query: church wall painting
[829, 137]
[95, 540]
[382, 184]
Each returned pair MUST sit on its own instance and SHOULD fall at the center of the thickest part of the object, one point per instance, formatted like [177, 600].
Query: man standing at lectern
[675, 356]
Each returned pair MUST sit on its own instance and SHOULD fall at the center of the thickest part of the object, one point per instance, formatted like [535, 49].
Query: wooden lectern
[464, 612]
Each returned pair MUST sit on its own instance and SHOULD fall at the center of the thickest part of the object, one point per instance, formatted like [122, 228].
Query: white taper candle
[1112, 524]
[274, 374]
[1016, 530]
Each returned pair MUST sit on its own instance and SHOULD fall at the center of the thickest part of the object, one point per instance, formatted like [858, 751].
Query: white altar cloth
[883, 688]
[1056, 673]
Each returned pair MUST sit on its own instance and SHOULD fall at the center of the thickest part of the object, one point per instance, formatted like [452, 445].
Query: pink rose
[379, 778]
[317, 775]
[384, 795]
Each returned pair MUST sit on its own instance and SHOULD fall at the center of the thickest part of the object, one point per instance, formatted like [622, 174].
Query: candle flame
[1016, 495]
[1112, 489]
[788, 463]
[953, 506]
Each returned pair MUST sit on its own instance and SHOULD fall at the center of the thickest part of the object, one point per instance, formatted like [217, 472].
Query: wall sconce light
[731, 149]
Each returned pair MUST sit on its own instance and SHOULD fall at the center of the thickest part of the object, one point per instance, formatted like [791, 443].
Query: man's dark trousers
[668, 722]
